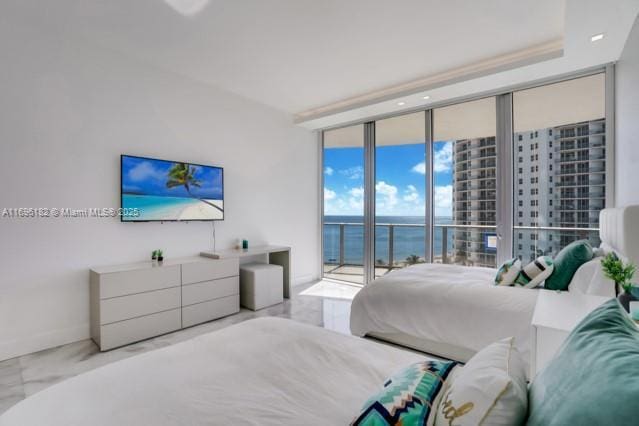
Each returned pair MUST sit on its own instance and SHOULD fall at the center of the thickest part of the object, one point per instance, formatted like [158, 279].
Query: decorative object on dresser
[556, 315]
[615, 269]
[142, 300]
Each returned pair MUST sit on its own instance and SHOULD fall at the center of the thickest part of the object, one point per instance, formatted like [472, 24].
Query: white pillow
[590, 279]
[490, 389]
[535, 272]
[508, 271]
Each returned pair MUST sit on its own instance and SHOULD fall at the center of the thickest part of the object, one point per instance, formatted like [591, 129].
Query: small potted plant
[160, 256]
[154, 255]
[615, 269]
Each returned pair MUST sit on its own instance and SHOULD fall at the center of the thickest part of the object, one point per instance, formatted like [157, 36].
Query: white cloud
[356, 200]
[144, 171]
[356, 172]
[329, 195]
[420, 168]
[444, 200]
[386, 197]
[328, 171]
[410, 194]
[357, 192]
[443, 159]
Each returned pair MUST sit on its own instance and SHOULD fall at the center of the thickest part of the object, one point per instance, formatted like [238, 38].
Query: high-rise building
[474, 200]
[559, 182]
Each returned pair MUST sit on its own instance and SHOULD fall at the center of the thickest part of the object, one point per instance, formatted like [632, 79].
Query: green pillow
[594, 378]
[567, 261]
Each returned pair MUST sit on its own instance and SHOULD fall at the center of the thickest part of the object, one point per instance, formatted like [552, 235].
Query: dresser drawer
[137, 305]
[208, 290]
[207, 270]
[210, 310]
[129, 331]
[129, 282]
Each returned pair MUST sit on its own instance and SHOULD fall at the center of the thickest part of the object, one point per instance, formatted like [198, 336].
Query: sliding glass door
[472, 183]
[400, 192]
[559, 165]
[343, 228]
[465, 183]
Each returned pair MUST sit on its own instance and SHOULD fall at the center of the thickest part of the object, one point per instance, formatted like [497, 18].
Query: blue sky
[146, 176]
[399, 183]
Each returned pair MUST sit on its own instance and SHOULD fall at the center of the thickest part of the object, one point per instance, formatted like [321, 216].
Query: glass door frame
[504, 172]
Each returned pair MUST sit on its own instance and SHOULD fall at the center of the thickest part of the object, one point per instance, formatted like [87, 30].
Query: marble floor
[325, 304]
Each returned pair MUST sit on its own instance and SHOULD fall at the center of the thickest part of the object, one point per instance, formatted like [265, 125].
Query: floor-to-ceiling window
[470, 183]
[400, 192]
[559, 165]
[343, 228]
[465, 183]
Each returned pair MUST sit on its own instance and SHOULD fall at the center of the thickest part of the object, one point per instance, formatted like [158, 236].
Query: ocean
[407, 241]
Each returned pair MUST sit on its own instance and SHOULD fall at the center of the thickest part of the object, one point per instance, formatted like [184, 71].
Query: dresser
[137, 301]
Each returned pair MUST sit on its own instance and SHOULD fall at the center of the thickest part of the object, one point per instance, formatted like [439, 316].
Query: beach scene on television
[166, 190]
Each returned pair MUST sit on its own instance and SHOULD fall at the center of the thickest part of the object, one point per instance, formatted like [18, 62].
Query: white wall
[67, 112]
[627, 121]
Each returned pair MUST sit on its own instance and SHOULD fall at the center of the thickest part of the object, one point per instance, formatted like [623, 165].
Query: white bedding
[450, 304]
[266, 371]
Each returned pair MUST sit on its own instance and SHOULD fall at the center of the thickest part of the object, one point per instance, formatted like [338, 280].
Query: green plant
[615, 269]
[160, 253]
[412, 259]
[154, 255]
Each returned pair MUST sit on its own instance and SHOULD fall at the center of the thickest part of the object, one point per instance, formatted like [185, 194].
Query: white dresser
[141, 300]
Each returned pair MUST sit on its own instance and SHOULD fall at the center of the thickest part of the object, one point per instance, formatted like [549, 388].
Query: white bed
[448, 310]
[454, 311]
[266, 371]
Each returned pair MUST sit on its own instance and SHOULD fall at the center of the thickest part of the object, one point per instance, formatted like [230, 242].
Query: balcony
[398, 245]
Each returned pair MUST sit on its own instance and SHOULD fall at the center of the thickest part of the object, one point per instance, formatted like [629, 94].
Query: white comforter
[450, 304]
[266, 371]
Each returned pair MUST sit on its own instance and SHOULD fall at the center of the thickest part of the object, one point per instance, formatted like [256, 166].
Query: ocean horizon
[408, 240]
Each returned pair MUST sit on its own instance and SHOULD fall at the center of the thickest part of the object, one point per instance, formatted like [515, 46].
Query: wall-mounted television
[159, 190]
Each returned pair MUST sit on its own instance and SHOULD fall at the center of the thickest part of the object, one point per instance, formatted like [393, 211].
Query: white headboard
[619, 231]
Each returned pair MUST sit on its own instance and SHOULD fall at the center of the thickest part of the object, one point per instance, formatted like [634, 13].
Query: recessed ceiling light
[597, 37]
[426, 97]
[401, 103]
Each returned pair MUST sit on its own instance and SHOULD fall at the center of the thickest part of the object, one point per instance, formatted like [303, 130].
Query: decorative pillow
[592, 380]
[409, 397]
[535, 272]
[590, 279]
[490, 389]
[508, 271]
[567, 261]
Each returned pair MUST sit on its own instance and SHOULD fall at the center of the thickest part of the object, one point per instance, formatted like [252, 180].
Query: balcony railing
[388, 254]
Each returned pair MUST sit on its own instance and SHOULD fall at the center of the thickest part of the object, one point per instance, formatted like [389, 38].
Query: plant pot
[624, 299]
[161, 258]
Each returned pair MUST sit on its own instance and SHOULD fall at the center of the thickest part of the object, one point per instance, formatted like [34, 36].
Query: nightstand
[556, 314]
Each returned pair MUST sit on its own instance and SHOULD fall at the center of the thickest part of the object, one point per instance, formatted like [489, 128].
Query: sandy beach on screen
[202, 211]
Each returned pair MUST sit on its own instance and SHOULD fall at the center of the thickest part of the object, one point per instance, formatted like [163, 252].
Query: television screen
[159, 190]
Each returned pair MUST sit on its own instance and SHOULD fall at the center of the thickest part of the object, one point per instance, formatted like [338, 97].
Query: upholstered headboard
[619, 231]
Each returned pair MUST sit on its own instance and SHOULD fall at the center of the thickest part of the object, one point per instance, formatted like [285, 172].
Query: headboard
[619, 231]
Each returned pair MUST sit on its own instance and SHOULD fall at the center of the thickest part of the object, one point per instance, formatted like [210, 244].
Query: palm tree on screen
[182, 174]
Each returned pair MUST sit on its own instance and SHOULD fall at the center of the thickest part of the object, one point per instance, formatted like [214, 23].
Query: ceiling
[330, 61]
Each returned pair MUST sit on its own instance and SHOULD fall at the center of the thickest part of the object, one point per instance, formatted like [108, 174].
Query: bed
[454, 311]
[266, 371]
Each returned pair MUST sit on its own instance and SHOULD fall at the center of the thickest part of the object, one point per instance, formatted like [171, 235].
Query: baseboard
[305, 279]
[18, 347]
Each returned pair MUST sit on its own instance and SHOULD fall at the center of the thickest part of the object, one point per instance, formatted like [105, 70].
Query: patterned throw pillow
[409, 397]
[535, 272]
[508, 272]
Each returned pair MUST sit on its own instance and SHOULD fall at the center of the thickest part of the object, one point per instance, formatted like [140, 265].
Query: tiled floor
[325, 304]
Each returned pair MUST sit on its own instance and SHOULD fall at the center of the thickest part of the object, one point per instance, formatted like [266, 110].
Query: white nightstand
[556, 314]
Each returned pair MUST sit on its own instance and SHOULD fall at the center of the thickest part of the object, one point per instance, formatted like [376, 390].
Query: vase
[624, 299]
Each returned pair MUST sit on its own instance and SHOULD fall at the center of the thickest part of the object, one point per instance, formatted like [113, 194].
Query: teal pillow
[594, 378]
[409, 397]
[567, 261]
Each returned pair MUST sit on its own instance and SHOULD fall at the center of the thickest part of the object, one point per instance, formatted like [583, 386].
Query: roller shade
[346, 137]
[468, 120]
[401, 130]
